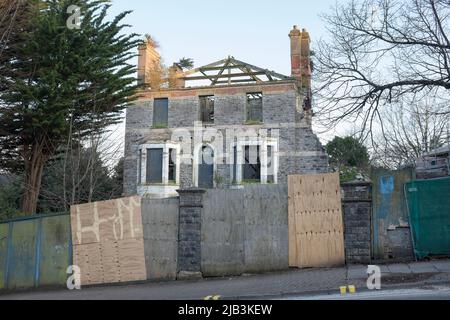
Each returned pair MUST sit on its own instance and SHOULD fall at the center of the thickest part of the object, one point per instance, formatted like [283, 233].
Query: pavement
[293, 283]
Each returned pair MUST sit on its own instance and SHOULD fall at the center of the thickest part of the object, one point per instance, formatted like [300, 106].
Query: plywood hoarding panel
[108, 241]
[316, 236]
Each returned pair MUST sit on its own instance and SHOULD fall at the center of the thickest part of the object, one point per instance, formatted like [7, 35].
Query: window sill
[244, 182]
[253, 123]
[250, 182]
[159, 127]
[159, 185]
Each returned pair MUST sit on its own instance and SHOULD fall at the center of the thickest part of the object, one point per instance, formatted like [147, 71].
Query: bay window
[159, 164]
[255, 161]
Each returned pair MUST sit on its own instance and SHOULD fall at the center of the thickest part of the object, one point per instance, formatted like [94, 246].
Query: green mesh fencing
[429, 211]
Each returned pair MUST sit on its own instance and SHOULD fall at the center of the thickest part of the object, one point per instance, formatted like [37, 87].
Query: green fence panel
[55, 251]
[429, 210]
[22, 257]
[35, 251]
[4, 228]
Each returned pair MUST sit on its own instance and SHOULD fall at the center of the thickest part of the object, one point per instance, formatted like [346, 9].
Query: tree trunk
[34, 167]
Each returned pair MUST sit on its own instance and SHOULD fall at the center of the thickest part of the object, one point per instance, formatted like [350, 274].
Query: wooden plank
[132, 260]
[315, 221]
[193, 71]
[110, 262]
[111, 220]
[222, 67]
[233, 75]
[108, 241]
[91, 264]
[236, 81]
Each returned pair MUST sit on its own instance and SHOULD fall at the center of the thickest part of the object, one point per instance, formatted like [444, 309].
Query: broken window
[207, 109]
[154, 166]
[140, 167]
[235, 162]
[270, 165]
[158, 164]
[252, 164]
[160, 113]
[172, 165]
[206, 168]
[254, 107]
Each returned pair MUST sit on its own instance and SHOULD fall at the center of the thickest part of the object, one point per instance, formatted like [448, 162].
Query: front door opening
[252, 164]
[206, 168]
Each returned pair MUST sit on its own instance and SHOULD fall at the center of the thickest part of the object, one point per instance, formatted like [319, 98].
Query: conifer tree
[62, 84]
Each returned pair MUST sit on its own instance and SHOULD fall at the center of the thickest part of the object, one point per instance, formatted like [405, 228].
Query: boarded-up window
[252, 164]
[254, 107]
[207, 109]
[172, 165]
[154, 165]
[160, 113]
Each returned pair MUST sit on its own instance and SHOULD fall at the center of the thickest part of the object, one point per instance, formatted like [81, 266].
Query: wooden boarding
[316, 236]
[105, 221]
[108, 242]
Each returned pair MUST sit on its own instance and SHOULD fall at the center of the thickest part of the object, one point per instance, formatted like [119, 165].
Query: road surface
[426, 293]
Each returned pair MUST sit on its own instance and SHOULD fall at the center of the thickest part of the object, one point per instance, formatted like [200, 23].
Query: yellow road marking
[216, 297]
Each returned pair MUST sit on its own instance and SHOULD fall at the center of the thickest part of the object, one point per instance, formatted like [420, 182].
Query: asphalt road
[296, 284]
[426, 293]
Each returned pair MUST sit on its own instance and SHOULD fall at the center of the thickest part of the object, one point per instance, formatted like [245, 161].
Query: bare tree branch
[380, 52]
[410, 129]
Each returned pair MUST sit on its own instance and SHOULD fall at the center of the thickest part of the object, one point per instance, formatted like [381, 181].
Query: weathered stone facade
[281, 130]
[299, 150]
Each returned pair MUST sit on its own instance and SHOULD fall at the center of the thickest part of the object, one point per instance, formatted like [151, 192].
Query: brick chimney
[149, 64]
[296, 53]
[306, 60]
[301, 61]
[175, 77]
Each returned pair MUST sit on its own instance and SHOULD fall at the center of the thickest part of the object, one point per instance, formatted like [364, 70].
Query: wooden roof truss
[231, 71]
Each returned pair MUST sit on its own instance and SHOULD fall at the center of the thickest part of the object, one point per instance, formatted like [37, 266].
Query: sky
[254, 31]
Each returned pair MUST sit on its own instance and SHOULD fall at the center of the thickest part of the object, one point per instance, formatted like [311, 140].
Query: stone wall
[190, 233]
[227, 232]
[357, 210]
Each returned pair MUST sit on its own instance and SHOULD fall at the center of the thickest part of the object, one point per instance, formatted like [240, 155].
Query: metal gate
[391, 230]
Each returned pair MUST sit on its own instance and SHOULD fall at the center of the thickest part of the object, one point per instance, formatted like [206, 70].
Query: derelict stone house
[220, 126]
